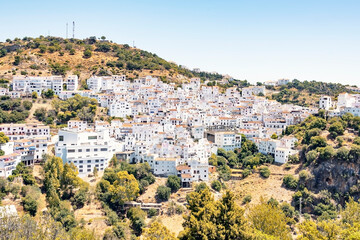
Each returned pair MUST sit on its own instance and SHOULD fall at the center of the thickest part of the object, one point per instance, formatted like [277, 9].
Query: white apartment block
[25, 131]
[77, 125]
[252, 91]
[27, 85]
[325, 102]
[72, 83]
[8, 163]
[229, 141]
[86, 149]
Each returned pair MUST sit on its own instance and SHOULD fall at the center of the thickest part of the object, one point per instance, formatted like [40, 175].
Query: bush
[152, 212]
[163, 193]
[216, 185]
[265, 172]
[87, 53]
[294, 158]
[246, 173]
[30, 205]
[311, 156]
[173, 182]
[246, 199]
[290, 182]
[200, 187]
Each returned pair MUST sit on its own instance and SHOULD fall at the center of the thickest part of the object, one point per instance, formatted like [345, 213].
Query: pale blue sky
[254, 40]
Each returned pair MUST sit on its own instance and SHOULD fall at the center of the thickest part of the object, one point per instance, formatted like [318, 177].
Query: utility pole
[300, 207]
[73, 29]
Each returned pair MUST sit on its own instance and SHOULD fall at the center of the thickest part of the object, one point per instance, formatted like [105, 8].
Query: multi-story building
[72, 83]
[8, 164]
[325, 102]
[227, 140]
[253, 91]
[17, 131]
[86, 149]
[26, 84]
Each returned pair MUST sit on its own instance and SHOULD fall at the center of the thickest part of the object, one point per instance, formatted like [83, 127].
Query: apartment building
[86, 149]
[17, 131]
[227, 140]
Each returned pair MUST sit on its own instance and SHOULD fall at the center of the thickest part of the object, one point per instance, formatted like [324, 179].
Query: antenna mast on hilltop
[67, 30]
[73, 29]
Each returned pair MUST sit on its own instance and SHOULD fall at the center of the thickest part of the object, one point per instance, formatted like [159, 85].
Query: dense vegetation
[246, 158]
[14, 110]
[83, 108]
[293, 92]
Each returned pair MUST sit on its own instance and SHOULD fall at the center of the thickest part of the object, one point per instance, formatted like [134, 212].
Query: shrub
[152, 212]
[265, 172]
[216, 185]
[163, 193]
[30, 205]
[246, 173]
[290, 181]
[200, 187]
[246, 199]
[87, 53]
[311, 156]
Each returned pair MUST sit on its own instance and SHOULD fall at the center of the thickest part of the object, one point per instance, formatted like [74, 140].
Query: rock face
[335, 176]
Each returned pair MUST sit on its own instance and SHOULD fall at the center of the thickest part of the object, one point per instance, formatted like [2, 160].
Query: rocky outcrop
[334, 176]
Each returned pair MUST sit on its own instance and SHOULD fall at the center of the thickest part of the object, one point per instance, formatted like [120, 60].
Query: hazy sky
[254, 40]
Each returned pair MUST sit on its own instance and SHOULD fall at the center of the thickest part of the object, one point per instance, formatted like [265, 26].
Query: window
[95, 149]
[89, 166]
[92, 137]
[88, 161]
[81, 161]
[103, 149]
[71, 150]
[80, 150]
[61, 138]
[87, 150]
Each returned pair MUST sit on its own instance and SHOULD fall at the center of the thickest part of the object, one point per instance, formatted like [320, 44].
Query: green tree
[163, 193]
[290, 181]
[17, 60]
[173, 182]
[30, 205]
[336, 129]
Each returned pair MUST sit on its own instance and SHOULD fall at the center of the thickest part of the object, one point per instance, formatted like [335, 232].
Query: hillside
[306, 93]
[52, 55]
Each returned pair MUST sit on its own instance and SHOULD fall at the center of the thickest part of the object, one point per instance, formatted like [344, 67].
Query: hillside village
[155, 123]
[157, 130]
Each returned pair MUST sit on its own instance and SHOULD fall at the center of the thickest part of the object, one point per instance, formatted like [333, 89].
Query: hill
[53, 55]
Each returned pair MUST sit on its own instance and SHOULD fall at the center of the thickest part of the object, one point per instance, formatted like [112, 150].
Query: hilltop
[44, 56]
